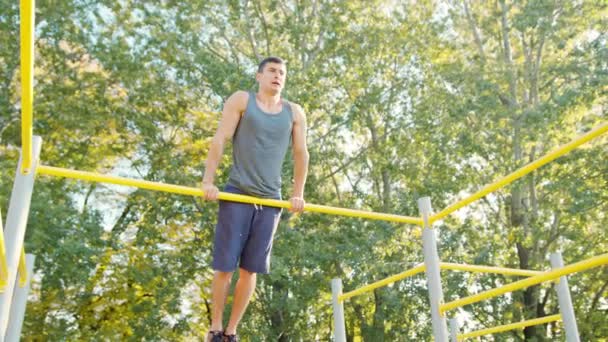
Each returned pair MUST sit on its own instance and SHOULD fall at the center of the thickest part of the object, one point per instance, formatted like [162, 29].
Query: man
[261, 126]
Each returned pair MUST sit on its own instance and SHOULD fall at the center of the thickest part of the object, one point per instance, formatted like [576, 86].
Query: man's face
[272, 77]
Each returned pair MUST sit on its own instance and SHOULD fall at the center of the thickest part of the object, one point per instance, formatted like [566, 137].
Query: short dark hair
[267, 60]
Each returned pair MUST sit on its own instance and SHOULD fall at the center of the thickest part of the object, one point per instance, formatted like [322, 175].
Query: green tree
[403, 99]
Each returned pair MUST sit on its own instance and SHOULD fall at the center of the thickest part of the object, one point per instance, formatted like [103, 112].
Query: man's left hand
[297, 204]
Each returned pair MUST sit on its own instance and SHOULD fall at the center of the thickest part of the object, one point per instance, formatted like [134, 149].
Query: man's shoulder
[296, 108]
[238, 100]
[240, 95]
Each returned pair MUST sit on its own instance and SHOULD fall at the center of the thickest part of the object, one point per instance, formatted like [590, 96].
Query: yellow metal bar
[488, 269]
[3, 264]
[22, 269]
[546, 276]
[560, 151]
[513, 326]
[367, 288]
[27, 81]
[183, 190]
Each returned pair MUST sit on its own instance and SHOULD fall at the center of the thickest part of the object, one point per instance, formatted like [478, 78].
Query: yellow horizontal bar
[22, 269]
[183, 190]
[445, 266]
[488, 269]
[3, 263]
[560, 151]
[546, 276]
[27, 81]
[512, 326]
[367, 288]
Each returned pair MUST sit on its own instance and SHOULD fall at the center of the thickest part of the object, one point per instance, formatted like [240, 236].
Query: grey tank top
[259, 145]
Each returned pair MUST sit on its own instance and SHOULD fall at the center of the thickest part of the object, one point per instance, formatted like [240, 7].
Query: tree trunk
[379, 317]
[519, 219]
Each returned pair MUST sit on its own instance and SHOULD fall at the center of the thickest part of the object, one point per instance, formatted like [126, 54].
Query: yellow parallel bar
[521, 172]
[22, 269]
[411, 272]
[183, 190]
[550, 275]
[488, 269]
[513, 326]
[27, 81]
[3, 264]
[445, 266]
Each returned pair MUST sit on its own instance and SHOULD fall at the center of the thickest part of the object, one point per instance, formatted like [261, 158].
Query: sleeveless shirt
[259, 146]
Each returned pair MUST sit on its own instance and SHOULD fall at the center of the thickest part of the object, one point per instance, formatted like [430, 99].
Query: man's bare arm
[231, 114]
[300, 156]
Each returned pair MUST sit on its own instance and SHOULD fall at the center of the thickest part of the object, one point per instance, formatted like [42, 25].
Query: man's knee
[223, 276]
[245, 274]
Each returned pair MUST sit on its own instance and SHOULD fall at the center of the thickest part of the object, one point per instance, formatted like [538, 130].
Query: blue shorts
[244, 233]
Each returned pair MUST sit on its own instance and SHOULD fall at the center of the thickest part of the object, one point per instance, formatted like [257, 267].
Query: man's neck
[268, 99]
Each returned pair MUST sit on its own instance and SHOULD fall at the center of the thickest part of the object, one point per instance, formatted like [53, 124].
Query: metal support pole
[16, 221]
[454, 329]
[431, 261]
[13, 333]
[565, 302]
[339, 327]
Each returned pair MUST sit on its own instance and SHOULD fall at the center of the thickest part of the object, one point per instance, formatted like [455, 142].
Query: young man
[261, 126]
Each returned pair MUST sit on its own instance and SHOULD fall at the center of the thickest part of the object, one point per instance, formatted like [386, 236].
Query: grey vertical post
[454, 329]
[339, 327]
[14, 232]
[13, 333]
[565, 302]
[433, 276]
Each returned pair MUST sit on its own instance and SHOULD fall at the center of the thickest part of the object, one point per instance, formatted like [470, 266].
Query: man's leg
[231, 232]
[219, 293]
[254, 259]
[242, 294]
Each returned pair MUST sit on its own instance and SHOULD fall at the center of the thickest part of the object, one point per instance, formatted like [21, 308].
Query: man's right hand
[210, 191]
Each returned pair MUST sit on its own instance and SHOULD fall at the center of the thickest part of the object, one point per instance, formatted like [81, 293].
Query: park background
[404, 99]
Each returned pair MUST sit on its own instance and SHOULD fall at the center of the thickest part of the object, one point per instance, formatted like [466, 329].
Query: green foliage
[403, 100]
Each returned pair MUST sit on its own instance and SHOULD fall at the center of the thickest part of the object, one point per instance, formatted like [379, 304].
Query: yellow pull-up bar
[558, 152]
[512, 326]
[184, 190]
[444, 266]
[27, 81]
[488, 269]
[4, 266]
[3, 263]
[546, 276]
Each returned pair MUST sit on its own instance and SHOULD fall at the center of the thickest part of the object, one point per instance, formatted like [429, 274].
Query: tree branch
[476, 33]
[260, 13]
[508, 55]
[250, 35]
[597, 296]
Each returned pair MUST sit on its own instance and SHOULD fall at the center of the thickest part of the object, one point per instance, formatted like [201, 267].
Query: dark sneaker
[215, 336]
[230, 338]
